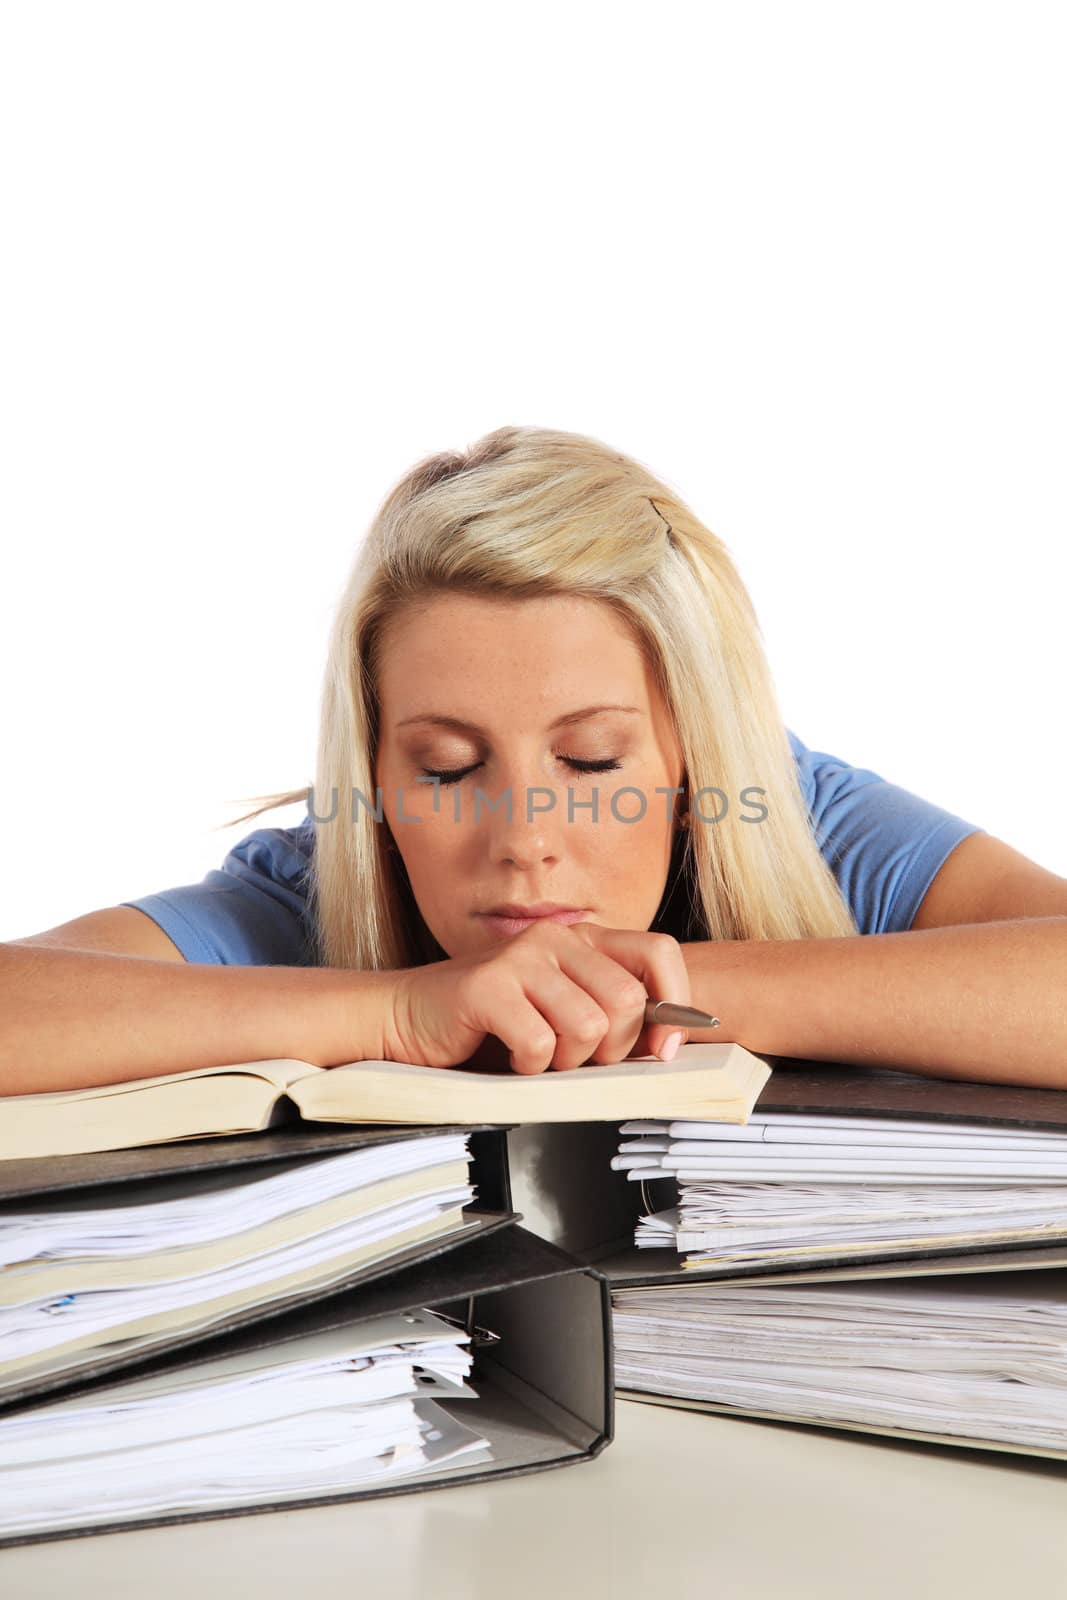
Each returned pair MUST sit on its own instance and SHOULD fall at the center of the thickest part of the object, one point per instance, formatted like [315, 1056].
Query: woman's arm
[986, 1001]
[976, 988]
[72, 1019]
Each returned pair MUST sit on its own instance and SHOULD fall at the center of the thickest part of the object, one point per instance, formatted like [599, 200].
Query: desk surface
[693, 1504]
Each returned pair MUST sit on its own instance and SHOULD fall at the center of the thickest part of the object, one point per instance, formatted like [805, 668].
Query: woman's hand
[556, 995]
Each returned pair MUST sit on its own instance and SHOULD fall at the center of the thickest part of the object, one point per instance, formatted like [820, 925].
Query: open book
[718, 1082]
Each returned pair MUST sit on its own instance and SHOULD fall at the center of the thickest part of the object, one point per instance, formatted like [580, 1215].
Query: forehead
[480, 650]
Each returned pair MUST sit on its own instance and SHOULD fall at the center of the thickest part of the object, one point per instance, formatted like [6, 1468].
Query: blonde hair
[534, 511]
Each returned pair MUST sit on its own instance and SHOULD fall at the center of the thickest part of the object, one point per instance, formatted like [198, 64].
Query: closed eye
[454, 776]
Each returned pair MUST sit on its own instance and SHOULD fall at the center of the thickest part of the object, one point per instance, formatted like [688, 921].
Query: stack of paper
[972, 1357]
[78, 1274]
[312, 1415]
[788, 1186]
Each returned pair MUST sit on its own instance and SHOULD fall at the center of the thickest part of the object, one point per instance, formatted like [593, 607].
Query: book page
[240, 1098]
[280, 1072]
[710, 1080]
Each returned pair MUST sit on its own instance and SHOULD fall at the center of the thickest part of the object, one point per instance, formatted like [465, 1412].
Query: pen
[681, 1016]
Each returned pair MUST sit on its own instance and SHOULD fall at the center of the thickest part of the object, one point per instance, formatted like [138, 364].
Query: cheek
[636, 853]
[428, 849]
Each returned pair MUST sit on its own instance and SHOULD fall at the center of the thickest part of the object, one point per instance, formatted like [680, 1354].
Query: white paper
[789, 1186]
[311, 1415]
[72, 1233]
[979, 1356]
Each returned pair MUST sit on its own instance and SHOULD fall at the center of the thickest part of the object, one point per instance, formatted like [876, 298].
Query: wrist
[347, 1016]
[757, 988]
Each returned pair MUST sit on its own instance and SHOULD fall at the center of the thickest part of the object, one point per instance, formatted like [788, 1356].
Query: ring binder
[544, 1386]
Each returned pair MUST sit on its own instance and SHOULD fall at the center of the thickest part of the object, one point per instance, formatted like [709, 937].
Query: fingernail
[669, 1048]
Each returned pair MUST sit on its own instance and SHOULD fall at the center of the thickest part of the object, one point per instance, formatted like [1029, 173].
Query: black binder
[545, 1394]
[560, 1177]
[111, 1171]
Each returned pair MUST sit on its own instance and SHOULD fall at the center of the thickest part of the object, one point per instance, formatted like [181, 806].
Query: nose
[530, 849]
[530, 836]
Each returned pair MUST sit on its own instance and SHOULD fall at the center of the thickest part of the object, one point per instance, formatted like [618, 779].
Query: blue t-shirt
[883, 844]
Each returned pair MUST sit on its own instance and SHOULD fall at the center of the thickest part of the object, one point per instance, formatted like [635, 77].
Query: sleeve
[250, 912]
[883, 844]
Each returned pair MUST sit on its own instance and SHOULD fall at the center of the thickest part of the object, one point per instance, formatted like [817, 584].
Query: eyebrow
[560, 722]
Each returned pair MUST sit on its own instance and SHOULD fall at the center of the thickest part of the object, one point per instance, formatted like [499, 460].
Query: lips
[540, 908]
[507, 920]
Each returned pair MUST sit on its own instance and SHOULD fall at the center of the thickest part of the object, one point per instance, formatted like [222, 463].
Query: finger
[581, 1025]
[657, 960]
[618, 994]
[529, 1039]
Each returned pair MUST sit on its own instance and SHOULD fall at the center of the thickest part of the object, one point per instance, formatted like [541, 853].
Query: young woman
[553, 780]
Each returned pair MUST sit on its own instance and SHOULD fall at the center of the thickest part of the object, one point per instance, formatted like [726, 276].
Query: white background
[806, 261]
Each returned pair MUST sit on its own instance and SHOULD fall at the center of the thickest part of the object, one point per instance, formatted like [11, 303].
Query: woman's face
[505, 694]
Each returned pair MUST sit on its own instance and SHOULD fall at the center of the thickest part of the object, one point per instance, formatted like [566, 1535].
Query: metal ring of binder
[479, 1336]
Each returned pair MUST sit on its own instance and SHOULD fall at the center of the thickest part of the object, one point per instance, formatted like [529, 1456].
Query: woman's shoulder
[281, 854]
[251, 910]
[884, 843]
